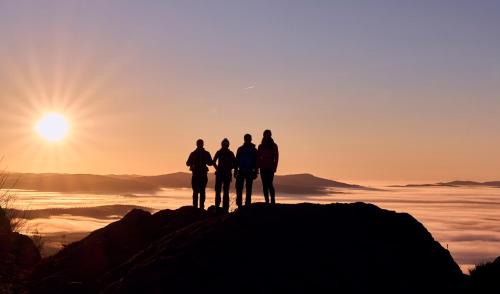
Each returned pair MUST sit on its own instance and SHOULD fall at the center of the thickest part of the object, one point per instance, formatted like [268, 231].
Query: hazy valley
[66, 207]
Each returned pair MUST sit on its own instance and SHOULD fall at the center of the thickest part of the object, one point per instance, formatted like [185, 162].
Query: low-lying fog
[465, 220]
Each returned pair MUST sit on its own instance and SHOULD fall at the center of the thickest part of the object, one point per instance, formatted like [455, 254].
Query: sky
[352, 90]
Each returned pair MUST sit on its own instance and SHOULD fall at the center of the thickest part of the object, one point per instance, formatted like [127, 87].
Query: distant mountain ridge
[492, 184]
[106, 184]
[103, 212]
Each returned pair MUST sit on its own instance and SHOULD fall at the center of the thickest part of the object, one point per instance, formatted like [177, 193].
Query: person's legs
[218, 187]
[203, 186]
[265, 184]
[249, 182]
[226, 184]
[239, 190]
[194, 186]
[271, 187]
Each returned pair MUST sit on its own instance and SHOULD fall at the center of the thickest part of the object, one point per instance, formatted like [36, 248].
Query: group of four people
[246, 165]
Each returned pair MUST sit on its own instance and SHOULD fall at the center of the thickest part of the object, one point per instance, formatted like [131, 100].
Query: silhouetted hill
[491, 184]
[485, 278]
[17, 253]
[99, 212]
[174, 180]
[301, 248]
[78, 183]
[304, 180]
[290, 184]
[84, 183]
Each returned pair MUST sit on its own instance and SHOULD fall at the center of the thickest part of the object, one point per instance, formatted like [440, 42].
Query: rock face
[17, 253]
[302, 248]
[78, 266]
[19, 250]
[485, 278]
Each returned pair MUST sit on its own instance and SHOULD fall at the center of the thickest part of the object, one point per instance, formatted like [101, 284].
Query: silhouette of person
[267, 162]
[198, 163]
[245, 170]
[224, 162]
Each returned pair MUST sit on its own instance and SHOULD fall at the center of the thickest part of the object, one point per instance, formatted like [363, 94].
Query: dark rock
[302, 248]
[5, 227]
[17, 254]
[485, 278]
[306, 248]
[214, 210]
[20, 249]
[16, 249]
[80, 264]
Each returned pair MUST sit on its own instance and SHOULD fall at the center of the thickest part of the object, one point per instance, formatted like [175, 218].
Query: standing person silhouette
[198, 163]
[224, 162]
[267, 161]
[245, 170]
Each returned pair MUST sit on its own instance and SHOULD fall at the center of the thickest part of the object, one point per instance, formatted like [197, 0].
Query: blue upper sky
[352, 89]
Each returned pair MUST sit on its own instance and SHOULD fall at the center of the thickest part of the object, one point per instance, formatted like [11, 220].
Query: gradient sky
[353, 90]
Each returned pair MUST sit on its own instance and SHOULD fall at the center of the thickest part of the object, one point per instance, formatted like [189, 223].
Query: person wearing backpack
[245, 170]
[224, 162]
[267, 162]
[198, 163]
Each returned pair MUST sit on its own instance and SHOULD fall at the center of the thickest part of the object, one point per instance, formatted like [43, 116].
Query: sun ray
[64, 81]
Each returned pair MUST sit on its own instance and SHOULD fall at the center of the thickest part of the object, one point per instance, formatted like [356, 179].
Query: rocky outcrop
[485, 278]
[302, 248]
[18, 250]
[17, 254]
[81, 264]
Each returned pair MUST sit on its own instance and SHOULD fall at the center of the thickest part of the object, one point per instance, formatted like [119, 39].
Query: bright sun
[52, 127]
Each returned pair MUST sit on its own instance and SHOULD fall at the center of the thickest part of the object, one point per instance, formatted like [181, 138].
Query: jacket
[268, 156]
[246, 158]
[198, 161]
[224, 160]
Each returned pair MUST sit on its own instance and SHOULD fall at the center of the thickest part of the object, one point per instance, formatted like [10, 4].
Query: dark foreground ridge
[302, 248]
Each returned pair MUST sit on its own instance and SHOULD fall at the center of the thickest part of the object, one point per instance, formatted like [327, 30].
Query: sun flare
[53, 127]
